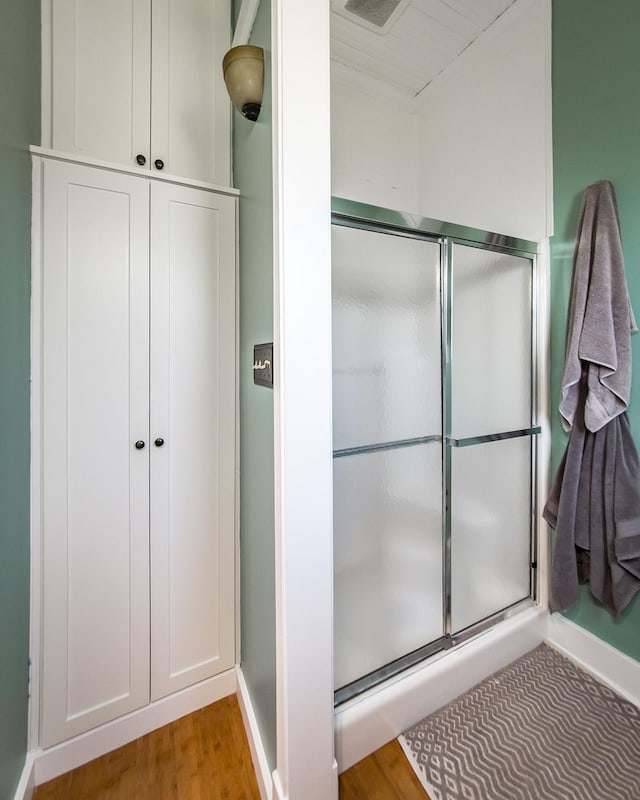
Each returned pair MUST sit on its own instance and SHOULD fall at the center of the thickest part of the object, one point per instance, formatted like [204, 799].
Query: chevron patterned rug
[540, 729]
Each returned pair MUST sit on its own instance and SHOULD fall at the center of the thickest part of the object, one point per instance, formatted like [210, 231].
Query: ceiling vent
[376, 15]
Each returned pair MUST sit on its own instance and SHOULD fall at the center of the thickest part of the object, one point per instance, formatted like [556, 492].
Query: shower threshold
[422, 655]
[372, 719]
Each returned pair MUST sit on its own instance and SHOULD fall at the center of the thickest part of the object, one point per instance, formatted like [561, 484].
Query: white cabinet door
[101, 78]
[190, 108]
[95, 379]
[143, 78]
[193, 412]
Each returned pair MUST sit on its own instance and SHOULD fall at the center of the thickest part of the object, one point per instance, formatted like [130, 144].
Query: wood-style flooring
[203, 756]
[384, 775]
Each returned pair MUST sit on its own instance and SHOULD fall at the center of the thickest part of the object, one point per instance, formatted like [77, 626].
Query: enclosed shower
[434, 444]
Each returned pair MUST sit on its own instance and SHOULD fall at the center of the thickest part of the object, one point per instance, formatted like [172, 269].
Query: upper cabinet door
[101, 78]
[140, 83]
[190, 108]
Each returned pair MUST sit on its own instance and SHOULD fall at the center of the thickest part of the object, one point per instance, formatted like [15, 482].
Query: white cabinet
[138, 442]
[142, 79]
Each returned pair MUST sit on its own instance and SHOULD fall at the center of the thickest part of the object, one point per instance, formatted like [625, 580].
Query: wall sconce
[243, 69]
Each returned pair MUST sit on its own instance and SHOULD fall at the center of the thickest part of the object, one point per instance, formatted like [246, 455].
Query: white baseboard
[260, 762]
[602, 660]
[26, 784]
[381, 715]
[278, 791]
[63, 757]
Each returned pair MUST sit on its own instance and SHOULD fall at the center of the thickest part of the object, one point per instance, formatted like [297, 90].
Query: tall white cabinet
[135, 468]
[138, 405]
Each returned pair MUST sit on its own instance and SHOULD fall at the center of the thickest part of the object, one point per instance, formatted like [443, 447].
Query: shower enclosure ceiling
[403, 45]
[434, 437]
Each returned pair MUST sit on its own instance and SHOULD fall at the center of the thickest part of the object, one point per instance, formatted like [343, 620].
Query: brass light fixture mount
[243, 68]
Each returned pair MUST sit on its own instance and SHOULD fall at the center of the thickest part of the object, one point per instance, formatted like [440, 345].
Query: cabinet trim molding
[71, 158]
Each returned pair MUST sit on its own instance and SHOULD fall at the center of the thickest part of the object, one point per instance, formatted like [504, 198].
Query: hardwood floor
[203, 756]
[384, 775]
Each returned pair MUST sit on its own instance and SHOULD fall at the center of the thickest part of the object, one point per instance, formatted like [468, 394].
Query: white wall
[485, 127]
[477, 151]
[374, 148]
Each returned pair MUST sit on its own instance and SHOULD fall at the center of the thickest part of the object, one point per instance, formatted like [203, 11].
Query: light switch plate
[263, 364]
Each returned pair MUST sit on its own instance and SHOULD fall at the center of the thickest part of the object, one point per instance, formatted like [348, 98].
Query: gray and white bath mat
[540, 729]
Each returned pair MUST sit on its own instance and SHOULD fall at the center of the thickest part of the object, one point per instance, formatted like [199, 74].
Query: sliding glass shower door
[489, 445]
[433, 370]
[387, 448]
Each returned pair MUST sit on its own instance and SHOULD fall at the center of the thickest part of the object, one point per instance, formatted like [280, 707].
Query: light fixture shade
[243, 69]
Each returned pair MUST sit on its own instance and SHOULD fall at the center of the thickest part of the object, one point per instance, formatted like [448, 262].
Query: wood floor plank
[157, 764]
[395, 765]
[188, 760]
[57, 788]
[384, 775]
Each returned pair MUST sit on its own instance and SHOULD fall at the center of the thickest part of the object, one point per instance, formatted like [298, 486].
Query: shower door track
[351, 214]
[422, 654]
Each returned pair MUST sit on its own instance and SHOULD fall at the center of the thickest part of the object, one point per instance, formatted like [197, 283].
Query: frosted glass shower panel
[490, 528]
[387, 556]
[386, 337]
[491, 363]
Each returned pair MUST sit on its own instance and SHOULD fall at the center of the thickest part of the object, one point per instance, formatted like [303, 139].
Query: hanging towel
[600, 318]
[594, 506]
[594, 503]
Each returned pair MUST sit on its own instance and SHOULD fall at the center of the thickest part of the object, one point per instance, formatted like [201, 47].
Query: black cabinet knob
[141, 159]
[139, 445]
[159, 163]
[159, 442]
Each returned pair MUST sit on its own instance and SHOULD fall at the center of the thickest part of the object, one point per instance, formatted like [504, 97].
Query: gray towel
[600, 318]
[595, 507]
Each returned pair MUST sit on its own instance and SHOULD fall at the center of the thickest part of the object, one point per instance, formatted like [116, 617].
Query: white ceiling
[424, 39]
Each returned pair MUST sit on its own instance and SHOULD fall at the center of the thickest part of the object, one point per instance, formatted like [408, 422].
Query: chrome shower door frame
[362, 216]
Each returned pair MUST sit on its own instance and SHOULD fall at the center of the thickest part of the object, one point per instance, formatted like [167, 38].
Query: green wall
[253, 176]
[596, 135]
[19, 127]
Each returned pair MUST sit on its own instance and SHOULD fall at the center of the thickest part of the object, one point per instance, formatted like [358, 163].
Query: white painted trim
[260, 762]
[26, 784]
[302, 400]
[66, 756]
[45, 73]
[381, 715]
[620, 672]
[244, 25]
[237, 561]
[278, 791]
[544, 419]
[548, 115]
[112, 166]
[35, 523]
